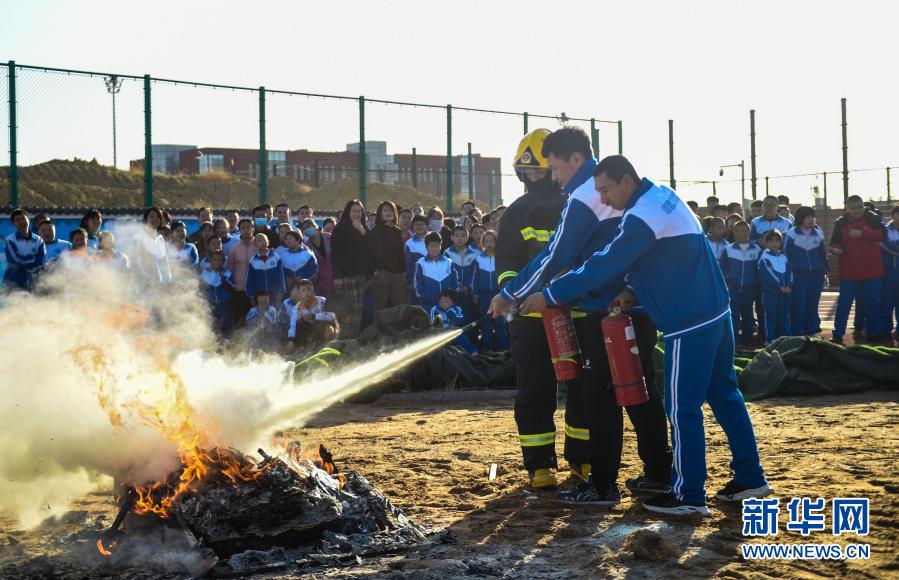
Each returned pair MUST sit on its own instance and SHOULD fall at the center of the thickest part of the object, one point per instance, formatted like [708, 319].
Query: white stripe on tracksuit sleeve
[634, 239]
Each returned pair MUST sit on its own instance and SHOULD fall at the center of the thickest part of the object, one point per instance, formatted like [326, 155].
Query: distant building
[315, 168]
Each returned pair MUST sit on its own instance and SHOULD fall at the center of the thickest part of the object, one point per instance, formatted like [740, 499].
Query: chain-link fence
[119, 141]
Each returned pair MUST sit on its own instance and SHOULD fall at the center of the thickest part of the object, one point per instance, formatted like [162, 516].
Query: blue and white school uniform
[229, 242]
[186, 255]
[56, 249]
[431, 278]
[761, 224]
[453, 317]
[463, 262]
[25, 255]
[413, 250]
[294, 312]
[739, 264]
[807, 256]
[774, 274]
[494, 333]
[218, 287]
[297, 265]
[890, 287]
[718, 247]
[262, 330]
[267, 275]
[661, 247]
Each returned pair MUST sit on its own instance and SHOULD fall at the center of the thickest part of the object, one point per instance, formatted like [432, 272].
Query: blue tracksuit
[739, 264]
[25, 255]
[774, 274]
[718, 247]
[297, 265]
[494, 333]
[452, 317]
[761, 224]
[670, 266]
[807, 257]
[218, 287]
[413, 250]
[431, 278]
[463, 262]
[267, 275]
[187, 255]
[56, 249]
[890, 287]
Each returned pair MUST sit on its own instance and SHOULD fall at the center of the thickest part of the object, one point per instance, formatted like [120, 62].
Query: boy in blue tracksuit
[298, 261]
[216, 280]
[671, 270]
[434, 273]
[265, 272]
[463, 256]
[415, 248]
[776, 281]
[806, 254]
[890, 288]
[26, 253]
[451, 317]
[739, 264]
[484, 287]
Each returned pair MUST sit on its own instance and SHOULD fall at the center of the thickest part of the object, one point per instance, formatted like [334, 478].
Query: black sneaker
[666, 503]
[587, 494]
[733, 491]
[837, 339]
[645, 485]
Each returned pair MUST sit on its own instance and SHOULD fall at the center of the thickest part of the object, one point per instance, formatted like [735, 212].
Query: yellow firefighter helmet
[530, 151]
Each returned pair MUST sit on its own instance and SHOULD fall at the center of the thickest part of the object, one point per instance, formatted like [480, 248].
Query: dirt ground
[432, 458]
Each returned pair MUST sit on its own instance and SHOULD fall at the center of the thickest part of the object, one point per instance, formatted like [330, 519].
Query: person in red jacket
[856, 240]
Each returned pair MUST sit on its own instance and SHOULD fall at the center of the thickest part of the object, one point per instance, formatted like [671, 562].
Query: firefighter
[527, 226]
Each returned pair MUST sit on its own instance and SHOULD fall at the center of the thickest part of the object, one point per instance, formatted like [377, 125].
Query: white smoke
[87, 359]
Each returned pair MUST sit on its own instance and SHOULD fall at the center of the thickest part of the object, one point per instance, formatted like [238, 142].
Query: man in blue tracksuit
[587, 225]
[806, 253]
[671, 270]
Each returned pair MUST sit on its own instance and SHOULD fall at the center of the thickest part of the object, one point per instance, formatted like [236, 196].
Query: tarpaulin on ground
[798, 365]
[447, 367]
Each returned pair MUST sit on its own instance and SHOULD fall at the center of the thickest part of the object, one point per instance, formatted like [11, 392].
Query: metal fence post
[490, 185]
[845, 154]
[889, 196]
[752, 149]
[13, 129]
[449, 158]
[671, 179]
[470, 173]
[620, 139]
[148, 145]
[594, 137]
[525, 116]
[263, 152]
[363, 169]
[414, 169]
[825, 189]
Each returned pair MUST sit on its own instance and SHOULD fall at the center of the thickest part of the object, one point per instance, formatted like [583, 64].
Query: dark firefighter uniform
[526, 227]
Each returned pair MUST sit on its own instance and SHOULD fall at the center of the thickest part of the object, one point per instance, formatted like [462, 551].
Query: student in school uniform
[717, 232]
[448, 315]
[890, 291]
[26, 253]
[217, 284]
[434, 273]
[739, 263]
[415, 248]
[299, 262]
[776, 281]
[55, 247]
[463, 257]
[261, 331]
[484, 287]
[806, 253]
[265, 272]
[183, 252]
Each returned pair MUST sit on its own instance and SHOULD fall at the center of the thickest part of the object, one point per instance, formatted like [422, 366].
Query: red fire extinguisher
[563, 346]
[624, 359]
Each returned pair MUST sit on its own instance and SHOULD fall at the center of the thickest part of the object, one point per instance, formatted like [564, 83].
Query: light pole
[742, 167]
[113, 86]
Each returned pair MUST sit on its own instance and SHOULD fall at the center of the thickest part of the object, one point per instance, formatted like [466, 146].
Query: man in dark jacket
[856, 240]
[261, 222]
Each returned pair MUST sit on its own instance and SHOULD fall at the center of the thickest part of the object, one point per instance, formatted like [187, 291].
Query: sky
[703, 64]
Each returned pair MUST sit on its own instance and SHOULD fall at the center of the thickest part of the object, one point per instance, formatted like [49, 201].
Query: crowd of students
[279, 281]
[775, 265]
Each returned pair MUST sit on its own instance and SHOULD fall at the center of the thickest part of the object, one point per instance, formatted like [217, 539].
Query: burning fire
[103, 550]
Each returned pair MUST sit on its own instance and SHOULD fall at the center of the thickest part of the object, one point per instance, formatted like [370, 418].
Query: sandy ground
[432, 458]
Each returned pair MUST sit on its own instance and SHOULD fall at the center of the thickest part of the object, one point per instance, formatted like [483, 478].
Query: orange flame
[103, 550]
